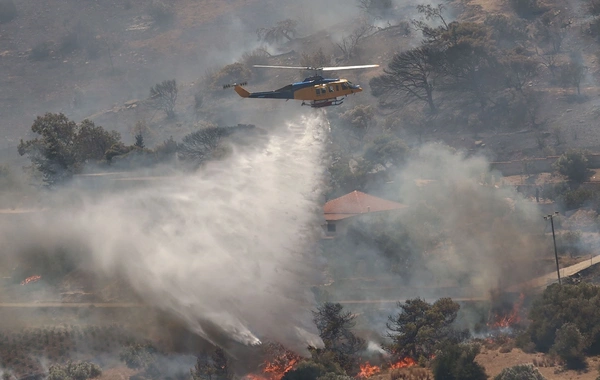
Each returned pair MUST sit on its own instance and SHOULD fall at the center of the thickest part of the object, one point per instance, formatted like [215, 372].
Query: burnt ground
[590, 275]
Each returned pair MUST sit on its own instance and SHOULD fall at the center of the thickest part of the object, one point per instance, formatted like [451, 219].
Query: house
[339, 211]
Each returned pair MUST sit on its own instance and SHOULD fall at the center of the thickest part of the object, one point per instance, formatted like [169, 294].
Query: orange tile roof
[357, 203]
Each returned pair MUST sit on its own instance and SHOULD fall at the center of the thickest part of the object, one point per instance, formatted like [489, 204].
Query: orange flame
[30, 279]
[404, 363]
[274, 369]
[511, 318]
[368, 370]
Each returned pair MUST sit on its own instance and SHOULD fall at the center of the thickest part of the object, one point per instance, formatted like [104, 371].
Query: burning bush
[558, 305]
[520, 372]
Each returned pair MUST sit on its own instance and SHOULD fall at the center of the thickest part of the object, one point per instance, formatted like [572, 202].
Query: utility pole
[551, 217]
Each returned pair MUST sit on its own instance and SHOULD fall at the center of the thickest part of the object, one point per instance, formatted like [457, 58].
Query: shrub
[457, 362]
[306, 370]
[574, 165]
[520, 372]
[74, 371]
[8, 11]
[163, 97]
[526, 8]
[137, 356]
[569, 346]
[40, 51]
[235, 72]
[577, 304]
[593, 7]
[161, 13]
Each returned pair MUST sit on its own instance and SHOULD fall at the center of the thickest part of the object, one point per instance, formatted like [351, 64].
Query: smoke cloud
[461, 236]
[226, 249]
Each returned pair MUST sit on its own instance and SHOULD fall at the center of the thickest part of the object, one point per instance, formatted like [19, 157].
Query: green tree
[520, 372]
[53, 153]
[139, 141]
[409, 77]
[574, 165]
[335, 329]
[360, 119]
[163, 97]
[521, 69]
[571, 75]
[63, 146]
[569, 345]
[457, 362]
[561, 304]
[386, 149]
[92, 142]
[420, 327]
[470, 63]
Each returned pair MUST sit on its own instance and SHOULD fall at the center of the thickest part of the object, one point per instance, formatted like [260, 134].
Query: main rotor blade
[347, 67]
[285, 67]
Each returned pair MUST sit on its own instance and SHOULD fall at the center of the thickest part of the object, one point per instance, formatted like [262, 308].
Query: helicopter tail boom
[241, 91]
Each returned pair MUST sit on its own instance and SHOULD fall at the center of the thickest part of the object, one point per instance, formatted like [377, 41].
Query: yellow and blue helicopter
[314, 91]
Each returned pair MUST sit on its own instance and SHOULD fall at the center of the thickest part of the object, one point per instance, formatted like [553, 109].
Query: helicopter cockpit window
[344, 86]
[337, 88]
[330, 88]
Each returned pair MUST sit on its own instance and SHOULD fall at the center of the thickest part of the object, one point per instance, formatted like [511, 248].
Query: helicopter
[314, 91]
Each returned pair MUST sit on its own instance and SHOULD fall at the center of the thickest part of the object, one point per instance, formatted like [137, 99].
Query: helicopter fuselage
[319, 91]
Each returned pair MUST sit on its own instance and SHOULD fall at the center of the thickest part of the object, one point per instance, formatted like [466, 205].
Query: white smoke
[227, 249]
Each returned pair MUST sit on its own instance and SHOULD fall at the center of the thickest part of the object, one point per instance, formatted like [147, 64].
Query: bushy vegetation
[335, 329]
[457, 362]
[233, 73]
[8, 11]
[20, 350]
[421, 328]
[74, 371]
[565, 320]
[162, 13]
[40, 52]
[574, 165]
[520, 372]
[569, 345]
[63, 146]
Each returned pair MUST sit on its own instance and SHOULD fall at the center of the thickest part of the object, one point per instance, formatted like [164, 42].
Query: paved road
[541, 282]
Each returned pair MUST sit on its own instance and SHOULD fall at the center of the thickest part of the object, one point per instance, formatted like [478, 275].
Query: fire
[406, 362]
[274, 369]
[368, 370]
[511, 318]
[30, 279]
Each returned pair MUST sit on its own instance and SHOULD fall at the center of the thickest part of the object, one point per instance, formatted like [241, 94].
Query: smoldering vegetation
[209, 247]
[459, 230]
[219, 228]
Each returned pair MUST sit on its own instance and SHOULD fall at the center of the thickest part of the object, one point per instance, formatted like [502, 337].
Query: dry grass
[494, 361]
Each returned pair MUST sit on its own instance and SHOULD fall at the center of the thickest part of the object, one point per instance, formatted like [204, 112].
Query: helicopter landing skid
[324, 103]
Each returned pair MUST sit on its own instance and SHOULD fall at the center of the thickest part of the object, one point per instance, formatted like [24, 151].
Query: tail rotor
[234, 84]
